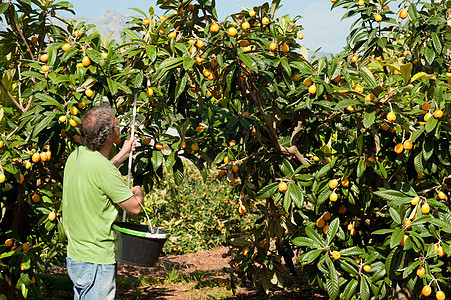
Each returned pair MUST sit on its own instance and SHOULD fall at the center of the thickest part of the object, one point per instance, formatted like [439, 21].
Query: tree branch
[11, 96]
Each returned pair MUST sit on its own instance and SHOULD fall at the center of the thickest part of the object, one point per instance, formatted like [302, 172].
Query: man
[92, 187]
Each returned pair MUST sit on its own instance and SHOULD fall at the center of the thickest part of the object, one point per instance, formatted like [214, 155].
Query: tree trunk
[8, 286]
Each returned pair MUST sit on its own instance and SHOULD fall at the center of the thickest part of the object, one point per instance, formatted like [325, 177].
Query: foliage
[353, 138]
[200, 215]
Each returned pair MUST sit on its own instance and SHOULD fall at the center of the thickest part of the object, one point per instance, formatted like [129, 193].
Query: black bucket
[138, 244]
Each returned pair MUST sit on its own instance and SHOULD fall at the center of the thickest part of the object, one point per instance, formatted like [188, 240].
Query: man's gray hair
[96, 126]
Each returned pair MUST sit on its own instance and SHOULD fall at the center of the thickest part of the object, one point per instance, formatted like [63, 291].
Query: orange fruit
[45, 68]
[283, 187]
[378, 18]
[44, 156]
[159, 146]
[78, 33]
[440, 251]
[325, 229]
[320, 222]
[440, 295]
[214, 27]
[252, 13]
[300, 36]
[425, 208]
[66, 47]
[427, 116]
[354, 58]
[104, 55]
[36, 157]
[32, 280]
[359, 89]
[421, 271]
[245, 25]
[235, 168]
[44, 57]
[77, 139]
[194, 147]
[81, 105]
[333, 183]
[273, 46]
[426, 290]
[27, 164]
[438, 113]
[333, 197]
[285, 48]
[426, 106]
[226, 160]
[415, 200]
[370, 97]
[35, 198]
[245, 114]
[149, 92]
[242, 210]
[361, 3]
[9, 242]
[23, 267]
[345, 183]
[391, 116]
[407, 145]
[336, 254]
[200, 44]
[193, 49]
[312, 89]
[52, 216]
[366, 268]
[441, 195]
[307, 82]
[399, 148]
[403, 14]
[407, 223]
[190, 7]
[262, 244]
[342, 209]
[232, 143]
[146, 22]
[172, 34]
[34, 40]
[327, 216]
[265, 21]
[73, 122]
[89, 93]
[74, 110]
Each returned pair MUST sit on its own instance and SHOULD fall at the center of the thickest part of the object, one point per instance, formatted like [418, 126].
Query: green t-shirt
[92, 185]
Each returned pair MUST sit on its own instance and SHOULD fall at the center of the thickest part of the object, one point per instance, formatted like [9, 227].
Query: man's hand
[129, 146]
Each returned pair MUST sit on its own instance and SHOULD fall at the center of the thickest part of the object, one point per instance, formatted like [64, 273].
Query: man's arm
[121, 156]
[132, 205]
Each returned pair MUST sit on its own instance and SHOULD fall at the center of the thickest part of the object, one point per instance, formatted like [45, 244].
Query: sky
[322, 27]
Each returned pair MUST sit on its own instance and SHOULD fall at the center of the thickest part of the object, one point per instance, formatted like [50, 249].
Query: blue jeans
[92, 281]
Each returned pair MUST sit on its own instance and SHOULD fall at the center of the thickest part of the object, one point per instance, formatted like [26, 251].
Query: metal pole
[130, 158]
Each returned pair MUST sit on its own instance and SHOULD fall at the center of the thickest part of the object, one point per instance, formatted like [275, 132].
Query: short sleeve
[114, 186]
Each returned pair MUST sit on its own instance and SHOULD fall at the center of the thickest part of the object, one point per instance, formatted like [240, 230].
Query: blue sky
[322, 27]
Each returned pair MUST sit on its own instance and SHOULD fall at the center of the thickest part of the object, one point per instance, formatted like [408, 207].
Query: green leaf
[178, 171]
[430, 124]
[406, 72]
[311, 233]
[428, 148]
[48, 100]
[350, 289]
[286, 168]
[303, 241]
[396, 237]
[352, 251]
[157, 159]
[181, 84]
[332, 287]
[287, 199]
[429, 54]
[324, 170]
[360, 168]
[418, 163]
[267, 191]
[248, 61]
[151, 51]
[332, 231]
[296, 194]
[368, 119]
[69, 53]
[309, 257]
[138, 80]
[239, 242]
[395, 198]
[3, 7]
[345, 103]
[112, 85]
[364, 289]
[395, 216]
[436, 42]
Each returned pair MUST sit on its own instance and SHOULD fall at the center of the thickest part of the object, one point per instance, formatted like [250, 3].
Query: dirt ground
[208, 262]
